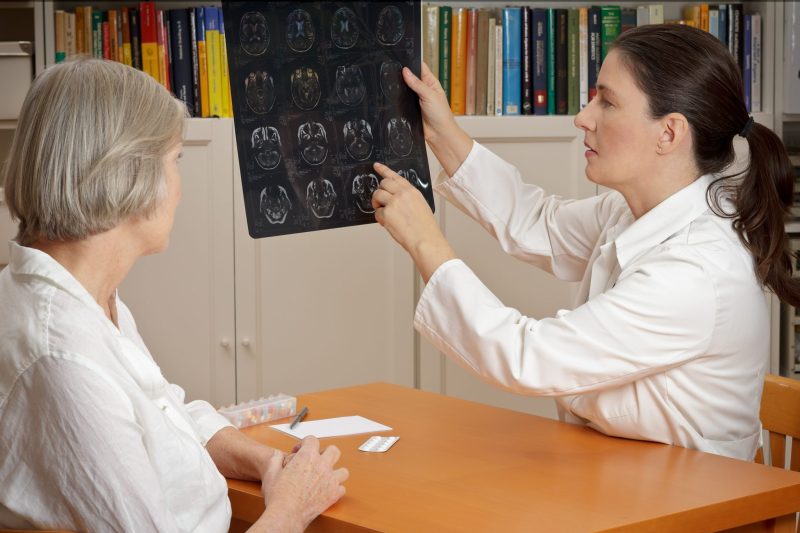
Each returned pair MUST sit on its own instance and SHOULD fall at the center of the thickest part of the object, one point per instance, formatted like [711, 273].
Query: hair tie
[747, 127]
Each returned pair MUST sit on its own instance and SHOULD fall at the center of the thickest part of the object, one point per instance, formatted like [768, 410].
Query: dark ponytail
[685, 70]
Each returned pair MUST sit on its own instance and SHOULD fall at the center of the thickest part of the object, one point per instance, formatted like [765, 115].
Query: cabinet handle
[224, 342]
[246, 342]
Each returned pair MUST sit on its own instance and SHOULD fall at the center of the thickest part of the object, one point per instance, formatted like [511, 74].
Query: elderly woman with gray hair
[92, 437]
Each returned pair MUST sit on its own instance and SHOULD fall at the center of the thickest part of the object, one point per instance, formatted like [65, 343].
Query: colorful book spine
[583, 57]
[512, 68]
[610, 28]
[126, 37]
[161, 54]
[61, 38]
[79, 29]
[573, 59]
[656, 13]
[595, 50]
[551, 61]
[148, 31]
[539, 68]
[105, 37]
[430, 32]
[627, 18]
[498, 68]
[723, 24]
[458, 66]
[445, 38]
[747, 62]
[482, 70]
[713, 21]
[490, 66]
[527, 62]
[120, 53]
[227, 108]
[112, 34]
[69, 30]
[202, 61]
[91, 45]
[736, 33]
[472, 60]
[181, 57]
[191, 16]
[167, 37]
[755, 89]
[704, 17]
[561, 62]
[97, 46]
[214, 62]
[136, 40]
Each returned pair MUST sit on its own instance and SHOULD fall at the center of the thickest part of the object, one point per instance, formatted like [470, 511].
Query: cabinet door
[548, 152]
[321, 310]
[182, 298]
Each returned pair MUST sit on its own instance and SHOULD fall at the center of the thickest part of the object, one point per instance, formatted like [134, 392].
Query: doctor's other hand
[403, 211]
[302, 489]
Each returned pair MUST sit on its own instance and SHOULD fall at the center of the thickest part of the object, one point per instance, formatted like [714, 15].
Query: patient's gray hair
[88, 149]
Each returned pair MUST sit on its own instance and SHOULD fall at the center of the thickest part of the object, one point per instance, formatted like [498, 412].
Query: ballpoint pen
[301, 415]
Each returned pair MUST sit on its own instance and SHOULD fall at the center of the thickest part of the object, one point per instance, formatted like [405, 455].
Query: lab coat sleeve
[657, 317]
[552, 233]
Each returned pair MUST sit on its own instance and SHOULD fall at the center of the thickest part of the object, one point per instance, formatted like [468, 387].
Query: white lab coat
[669, 341]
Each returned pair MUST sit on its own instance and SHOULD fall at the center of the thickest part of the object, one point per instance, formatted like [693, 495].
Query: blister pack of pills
[378, 443]
[261, 410]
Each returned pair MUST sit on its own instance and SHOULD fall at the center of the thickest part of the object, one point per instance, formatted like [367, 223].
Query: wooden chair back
[780, 416]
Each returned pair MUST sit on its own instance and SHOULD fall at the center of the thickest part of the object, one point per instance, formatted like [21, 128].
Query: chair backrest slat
[780, 416]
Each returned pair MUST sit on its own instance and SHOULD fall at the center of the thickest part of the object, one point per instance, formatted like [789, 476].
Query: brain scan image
[350, 86]
[390, 27]
[299, 30]
[254, 33]
[344, 28]
[358, 139]
[312, 140]
[321, 198]
[363, 187]
[274, 204]
[306, 90]
[391, 78]
[259, 90]
[400, 139]
[413, 178]
[266, 145]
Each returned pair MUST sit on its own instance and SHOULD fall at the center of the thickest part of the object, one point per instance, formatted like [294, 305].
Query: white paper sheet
[333, 427]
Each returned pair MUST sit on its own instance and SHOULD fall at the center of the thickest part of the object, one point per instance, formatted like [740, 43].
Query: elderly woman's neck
[99, 263]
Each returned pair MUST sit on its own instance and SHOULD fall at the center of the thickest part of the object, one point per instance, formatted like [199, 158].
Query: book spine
[583, 57]
[161, 56]
[490, 65]
[472, 60]
[656, 13]
[91, 45]
[539, 61]
[551, 61]
[113, 45]
[106, 37]
[227, 110]
[610, 28]
[136, 40]
[202, 62]
[214, 63]
[120, 47]
[512, 50]
[126, 37]
[445, 38]
[746, 64]
[627, 18]
[791, 61]
[755, 90]
[181, 56]
[561, 62]
[573, 57]
[723, 24]
[691, 15]
[167, 37]
[70, 34]
[704, 22]
[595, 50]
[61, 39]
[736, 35]
[482, 70]
[713, 21]
[430, 31]
[526, 62]
[642, 16]
[498, 68]
[147, 27]
[79, 29]
[98, 43]
[458, 67]
[196, 111]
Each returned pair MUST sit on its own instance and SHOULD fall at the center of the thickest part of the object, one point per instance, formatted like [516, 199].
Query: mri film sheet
[318, 97]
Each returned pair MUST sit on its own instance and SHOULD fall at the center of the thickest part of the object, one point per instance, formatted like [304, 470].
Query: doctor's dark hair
[688, 71]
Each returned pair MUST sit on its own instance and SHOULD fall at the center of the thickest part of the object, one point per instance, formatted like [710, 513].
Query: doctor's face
[619, 135]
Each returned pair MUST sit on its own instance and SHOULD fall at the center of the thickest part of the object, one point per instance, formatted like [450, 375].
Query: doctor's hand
[403, 211]
[302, 489]
[450, 144]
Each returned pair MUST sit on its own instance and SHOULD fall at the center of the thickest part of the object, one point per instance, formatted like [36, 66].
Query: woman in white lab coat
[670, 339]
[92, 437]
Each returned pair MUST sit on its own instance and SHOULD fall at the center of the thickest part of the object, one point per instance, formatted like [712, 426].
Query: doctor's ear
[674, 132]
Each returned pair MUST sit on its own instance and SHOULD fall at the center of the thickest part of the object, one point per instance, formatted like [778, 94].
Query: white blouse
[669, 340]
[92, 437]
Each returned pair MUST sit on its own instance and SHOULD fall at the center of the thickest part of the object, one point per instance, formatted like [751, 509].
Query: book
[472, 60]
[482, 69]
[610, 28]
[113, 45]
[713, 20]
[90, 44]
[691, 15]
[747, 77]
[539, 17]
[430, 37]
[561, 62]
[490, 66]
[227, 110]
[126, 37]
[181, 57]
[499, 41]
[736, 33]
[512, 68]
[149, 44]
[167, 38]
[97, 45]
[704, 22]
[202, 61]
[642, 16]
[583, 57]
[656, 13]
[791, 60]
[214, 62]
[573, 58]
[69, 33]
[723, 24]
[445, 19]
[551, 61]
[192, 18]
[458, 62]
[627, 18]
[755, 87]
[60, 35]
[120, 54]
[161, 54]
[526, 62]
[105, 38]
[595, 50]
[79, 29]
[136, 41]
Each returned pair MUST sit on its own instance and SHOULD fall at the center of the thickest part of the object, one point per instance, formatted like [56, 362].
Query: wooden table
[464, 466]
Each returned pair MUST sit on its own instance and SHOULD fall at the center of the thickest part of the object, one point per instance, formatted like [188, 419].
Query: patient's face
[155, 230]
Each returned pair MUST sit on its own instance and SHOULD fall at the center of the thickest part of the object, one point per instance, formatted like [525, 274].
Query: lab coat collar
[662, 221]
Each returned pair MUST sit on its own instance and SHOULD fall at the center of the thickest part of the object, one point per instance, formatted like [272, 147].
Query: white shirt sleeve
[646, 323]
[208, 421]
[552, 233]
[72, 451]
